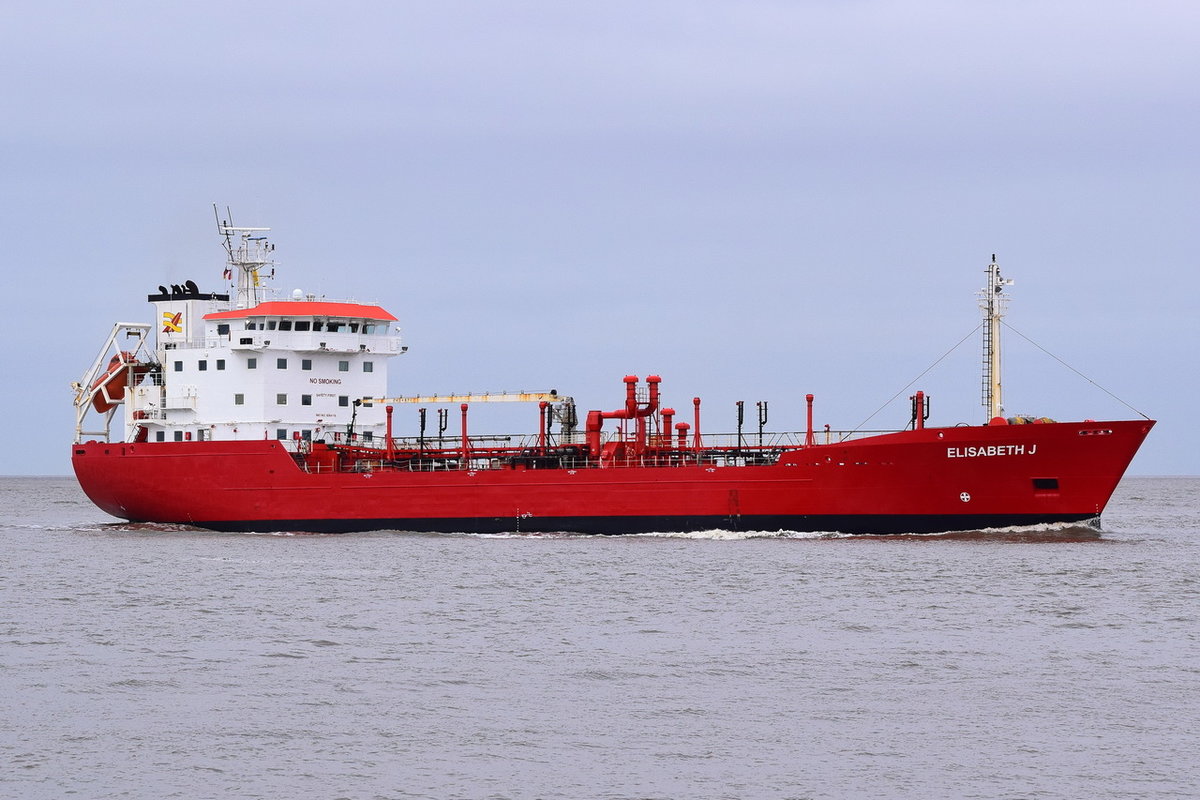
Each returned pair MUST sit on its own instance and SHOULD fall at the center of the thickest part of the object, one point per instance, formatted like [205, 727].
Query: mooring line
[1077, 372]
[914, 380]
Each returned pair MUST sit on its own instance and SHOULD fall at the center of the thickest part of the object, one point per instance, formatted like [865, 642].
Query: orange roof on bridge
[305, 308]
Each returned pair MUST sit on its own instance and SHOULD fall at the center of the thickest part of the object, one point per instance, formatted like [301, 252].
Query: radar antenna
[246, 260]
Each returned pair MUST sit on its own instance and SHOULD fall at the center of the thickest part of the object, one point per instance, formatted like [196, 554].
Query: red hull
[934, 479]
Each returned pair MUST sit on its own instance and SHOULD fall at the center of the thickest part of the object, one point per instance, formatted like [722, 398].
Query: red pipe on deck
[391, 452]
[641, 414]
[466, 449]
[696, 432]
[681, 429]
[808, 437]
[595, 419]
[542, 427]
[630, 396]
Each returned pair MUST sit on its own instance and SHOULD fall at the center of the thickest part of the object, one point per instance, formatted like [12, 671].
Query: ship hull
[928, 480]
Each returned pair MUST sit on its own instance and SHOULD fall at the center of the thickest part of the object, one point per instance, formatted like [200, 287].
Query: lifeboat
[110, 387]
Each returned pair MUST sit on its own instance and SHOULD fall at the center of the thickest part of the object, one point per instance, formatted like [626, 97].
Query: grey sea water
[143, 662]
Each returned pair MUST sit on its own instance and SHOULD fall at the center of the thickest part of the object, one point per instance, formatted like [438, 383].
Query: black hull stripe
[856, 524]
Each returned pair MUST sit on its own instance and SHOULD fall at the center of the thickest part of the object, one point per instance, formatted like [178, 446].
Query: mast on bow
[993, 303]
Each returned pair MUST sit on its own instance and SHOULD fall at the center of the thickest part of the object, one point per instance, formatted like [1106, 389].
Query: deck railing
[414, 454]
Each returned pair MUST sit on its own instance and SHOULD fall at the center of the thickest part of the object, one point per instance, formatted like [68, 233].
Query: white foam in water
[719, 534]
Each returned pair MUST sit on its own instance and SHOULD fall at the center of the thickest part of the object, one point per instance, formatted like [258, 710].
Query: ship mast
[993, 304]
[246, 260]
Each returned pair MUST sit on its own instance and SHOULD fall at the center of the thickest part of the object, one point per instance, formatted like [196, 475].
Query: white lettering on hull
[991, 450]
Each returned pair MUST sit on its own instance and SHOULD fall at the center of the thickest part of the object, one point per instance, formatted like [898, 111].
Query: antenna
[246, 260]
[993, 303]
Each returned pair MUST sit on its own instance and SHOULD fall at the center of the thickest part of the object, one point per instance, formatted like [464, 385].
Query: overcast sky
[754, 200]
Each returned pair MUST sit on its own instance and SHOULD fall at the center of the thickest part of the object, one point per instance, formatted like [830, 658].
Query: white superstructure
[255, 367]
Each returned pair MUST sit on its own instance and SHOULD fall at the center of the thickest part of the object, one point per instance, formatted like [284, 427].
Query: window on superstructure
[220, 364]
[368, 436]
[285, 324]
[306, 364]
[179, 366]
[281, 399]
[160, 436]
[271, 325]
[343, 366]
[202, 365]
[306, 399]
[303, 324]
[223, 329]
[250, 326]
[368, 328]
[281, 363]
[281, 433]
[334, 327]
[368, 366]
[179, 436]
[239, 399]
[251, 363]
[354, 327]
[343, 400]
[306, 435]
[318, 325]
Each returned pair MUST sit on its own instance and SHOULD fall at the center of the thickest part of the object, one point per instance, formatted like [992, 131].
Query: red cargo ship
[249, 413]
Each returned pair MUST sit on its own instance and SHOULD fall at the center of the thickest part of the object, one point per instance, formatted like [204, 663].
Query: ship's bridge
[306, 326]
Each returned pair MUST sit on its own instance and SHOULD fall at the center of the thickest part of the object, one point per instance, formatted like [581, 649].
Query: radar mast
[993, 303]
[246, 260]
